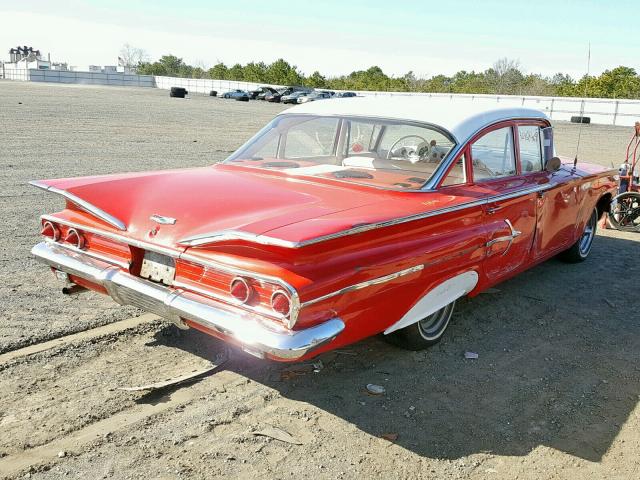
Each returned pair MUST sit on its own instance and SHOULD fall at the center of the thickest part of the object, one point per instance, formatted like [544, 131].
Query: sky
[334, 37]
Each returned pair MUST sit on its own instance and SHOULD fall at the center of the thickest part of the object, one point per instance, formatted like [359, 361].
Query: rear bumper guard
[252, 332]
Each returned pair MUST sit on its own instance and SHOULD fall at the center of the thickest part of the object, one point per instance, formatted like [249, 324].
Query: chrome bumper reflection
[256, 335]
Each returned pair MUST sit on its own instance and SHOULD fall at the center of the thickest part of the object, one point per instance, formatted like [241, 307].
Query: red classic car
[337, 221]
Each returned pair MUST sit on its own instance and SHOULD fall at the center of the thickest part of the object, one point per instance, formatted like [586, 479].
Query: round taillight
[74, 238]
[281, 303]
[51, 231]
[240, 289]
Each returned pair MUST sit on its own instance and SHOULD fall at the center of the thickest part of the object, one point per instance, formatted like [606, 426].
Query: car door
[557, 196]
[510, 209]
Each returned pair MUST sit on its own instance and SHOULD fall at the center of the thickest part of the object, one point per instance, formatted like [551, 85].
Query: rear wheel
[424, 333]
[579, 251]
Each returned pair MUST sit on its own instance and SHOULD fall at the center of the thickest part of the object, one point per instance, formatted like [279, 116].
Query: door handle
[507, 238]
[493, 209]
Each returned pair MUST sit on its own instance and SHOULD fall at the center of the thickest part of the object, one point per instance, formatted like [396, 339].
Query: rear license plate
[158, 268]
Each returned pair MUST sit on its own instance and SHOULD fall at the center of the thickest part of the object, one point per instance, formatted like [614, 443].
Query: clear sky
[335, 37]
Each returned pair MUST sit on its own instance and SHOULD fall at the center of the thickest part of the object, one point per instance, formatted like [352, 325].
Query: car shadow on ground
[559, 365]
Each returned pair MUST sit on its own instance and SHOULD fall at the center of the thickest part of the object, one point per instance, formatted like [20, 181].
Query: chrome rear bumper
[256, 335]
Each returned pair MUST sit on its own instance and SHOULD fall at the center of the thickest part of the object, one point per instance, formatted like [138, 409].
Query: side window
[493, 155]
[457, 174]
[530, 148]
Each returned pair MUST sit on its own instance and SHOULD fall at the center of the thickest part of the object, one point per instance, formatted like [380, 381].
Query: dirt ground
[553, 394]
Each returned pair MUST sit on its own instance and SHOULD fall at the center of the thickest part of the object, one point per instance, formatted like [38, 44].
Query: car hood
[211, 199]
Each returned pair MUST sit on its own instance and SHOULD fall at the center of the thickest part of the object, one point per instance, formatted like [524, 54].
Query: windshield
[387, 153]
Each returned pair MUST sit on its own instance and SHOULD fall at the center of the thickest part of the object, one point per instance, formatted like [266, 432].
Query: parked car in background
[312, 97]
[260, 92]
[293, 97]
[276, 97]
[345, 94]
[239, 95]
[337, 221]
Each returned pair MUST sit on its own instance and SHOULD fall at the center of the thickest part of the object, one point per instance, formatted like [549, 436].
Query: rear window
[387, 153]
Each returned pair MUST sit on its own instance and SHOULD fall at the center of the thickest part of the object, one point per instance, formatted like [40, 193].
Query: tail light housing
[240, 290]
[49, 230]
[75, 238]
[281, 303]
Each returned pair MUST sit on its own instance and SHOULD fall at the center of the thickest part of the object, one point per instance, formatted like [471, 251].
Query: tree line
[505, 77]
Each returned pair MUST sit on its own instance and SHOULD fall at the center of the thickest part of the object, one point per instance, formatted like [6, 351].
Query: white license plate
[158, 268]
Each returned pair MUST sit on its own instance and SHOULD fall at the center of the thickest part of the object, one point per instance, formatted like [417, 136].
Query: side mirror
[553, 165]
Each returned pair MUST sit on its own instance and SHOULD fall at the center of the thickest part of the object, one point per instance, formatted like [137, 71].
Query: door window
[530, 148]
[493, 155]
[457, 175]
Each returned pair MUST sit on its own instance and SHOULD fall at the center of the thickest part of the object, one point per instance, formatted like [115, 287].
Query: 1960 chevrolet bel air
[337, 221]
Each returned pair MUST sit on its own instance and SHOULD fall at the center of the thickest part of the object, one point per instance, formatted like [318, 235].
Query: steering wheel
[405, 154]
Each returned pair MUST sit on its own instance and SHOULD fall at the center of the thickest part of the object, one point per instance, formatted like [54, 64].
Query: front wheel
[579, 251]
[625, 212]
[424, 333]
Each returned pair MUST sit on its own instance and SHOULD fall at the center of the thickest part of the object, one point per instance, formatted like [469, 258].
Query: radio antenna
[584, 95]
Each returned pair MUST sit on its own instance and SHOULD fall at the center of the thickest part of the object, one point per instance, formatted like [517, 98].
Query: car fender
[438, 297]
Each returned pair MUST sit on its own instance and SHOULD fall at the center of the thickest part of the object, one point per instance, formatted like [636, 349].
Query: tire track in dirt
[49, 396]
[48, 453]
[92, 333]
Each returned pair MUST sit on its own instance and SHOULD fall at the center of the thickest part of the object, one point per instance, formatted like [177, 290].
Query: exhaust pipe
[73, 289]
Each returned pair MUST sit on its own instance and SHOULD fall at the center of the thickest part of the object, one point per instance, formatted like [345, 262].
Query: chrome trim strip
[252, 332]
[91, 254]
[162, 220]
[368, 283]
[226, 235]
[83, 204]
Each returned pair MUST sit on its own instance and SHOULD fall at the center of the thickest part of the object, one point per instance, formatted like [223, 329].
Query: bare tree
[131, 56]
[506, 75]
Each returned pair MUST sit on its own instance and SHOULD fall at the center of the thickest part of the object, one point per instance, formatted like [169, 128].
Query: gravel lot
[554, 393]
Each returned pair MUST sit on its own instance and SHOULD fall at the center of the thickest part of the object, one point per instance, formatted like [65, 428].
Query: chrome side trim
[84, 205]
[252, 332]
[226, 235]
[368, 283]
[162, 220]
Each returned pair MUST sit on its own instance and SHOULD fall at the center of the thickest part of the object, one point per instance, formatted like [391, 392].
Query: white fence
[84, 78]
[600, 110]
[205, 85]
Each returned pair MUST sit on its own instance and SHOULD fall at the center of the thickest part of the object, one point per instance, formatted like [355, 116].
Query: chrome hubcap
[588, 234]
[434, 325]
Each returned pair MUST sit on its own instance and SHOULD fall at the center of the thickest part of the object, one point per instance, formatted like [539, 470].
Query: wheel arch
[604, 204]
[436, 298]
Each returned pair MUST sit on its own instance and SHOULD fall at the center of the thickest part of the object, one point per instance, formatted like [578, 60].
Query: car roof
[462, 120]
